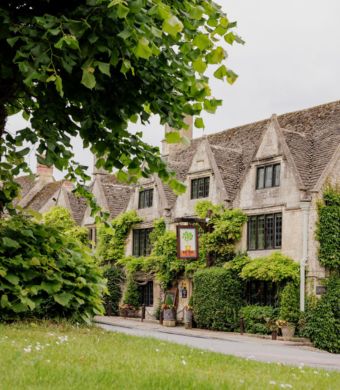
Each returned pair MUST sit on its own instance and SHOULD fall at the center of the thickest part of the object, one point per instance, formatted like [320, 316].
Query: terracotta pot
[288, 331]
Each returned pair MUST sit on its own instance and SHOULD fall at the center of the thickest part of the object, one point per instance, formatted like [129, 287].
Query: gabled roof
[26, 183]
[117, 195]
[312, 136]
[44, 195]
[77, 206]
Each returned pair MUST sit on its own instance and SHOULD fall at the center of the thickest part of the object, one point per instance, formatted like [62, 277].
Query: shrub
[256, 318]
[131, 294]
[115, 278]
[290, 303]
[273, 268]
[323, 318]
[216, 299]
[328, 228]
[46, 274]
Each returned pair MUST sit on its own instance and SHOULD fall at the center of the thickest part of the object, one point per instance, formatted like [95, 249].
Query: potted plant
[272, 326]
[169, 312]
[188, 314]
[287, 329]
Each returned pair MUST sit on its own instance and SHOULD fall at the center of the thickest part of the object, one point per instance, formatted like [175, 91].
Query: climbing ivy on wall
[224, 231]
[328, 228]
[111, 239]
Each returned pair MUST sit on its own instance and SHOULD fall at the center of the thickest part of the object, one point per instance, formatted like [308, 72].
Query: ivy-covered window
[200, 187]
[146, 294]
[92, 236]
[141, 242]
[265, 231]
[262, 293]
[145, 198]
[268, 176]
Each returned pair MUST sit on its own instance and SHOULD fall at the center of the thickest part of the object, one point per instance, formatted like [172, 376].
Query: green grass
[92, 358]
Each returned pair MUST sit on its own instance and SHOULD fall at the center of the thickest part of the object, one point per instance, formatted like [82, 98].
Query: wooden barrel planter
[169, 317]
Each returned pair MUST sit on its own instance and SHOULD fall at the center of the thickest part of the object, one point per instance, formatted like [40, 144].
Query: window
[146, 294]
[200, 188]
[262, 293]
[141, 242]
[92, 236]
[264, 231]
[145, 198]
[268, 176]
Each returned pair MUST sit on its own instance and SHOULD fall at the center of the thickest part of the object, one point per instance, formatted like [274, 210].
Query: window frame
[274, 236]
[273, 182]
[146, 294]
[200, 184]
[137, 238]
[145, 198]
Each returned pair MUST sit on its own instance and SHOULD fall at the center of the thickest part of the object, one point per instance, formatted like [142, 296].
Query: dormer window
[145, 198]
[200, 188]
[268, 176]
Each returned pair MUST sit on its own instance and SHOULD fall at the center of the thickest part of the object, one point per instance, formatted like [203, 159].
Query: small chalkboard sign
[320, 290]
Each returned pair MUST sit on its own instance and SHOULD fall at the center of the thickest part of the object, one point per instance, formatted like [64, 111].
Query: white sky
[291, 60]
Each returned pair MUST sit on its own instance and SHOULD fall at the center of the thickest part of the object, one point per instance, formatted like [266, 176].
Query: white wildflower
[28, 349]
[157, 350]
[272, 382]
[184, 362]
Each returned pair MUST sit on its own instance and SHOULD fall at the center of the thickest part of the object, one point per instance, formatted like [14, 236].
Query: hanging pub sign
[187, 242]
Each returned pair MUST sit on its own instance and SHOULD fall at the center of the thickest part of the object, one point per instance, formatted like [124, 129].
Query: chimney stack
[188, 133]
[45, 172]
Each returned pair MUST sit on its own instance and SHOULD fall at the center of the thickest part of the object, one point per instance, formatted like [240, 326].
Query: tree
[88, 67]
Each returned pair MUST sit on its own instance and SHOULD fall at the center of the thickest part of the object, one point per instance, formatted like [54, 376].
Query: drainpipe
[305, 205]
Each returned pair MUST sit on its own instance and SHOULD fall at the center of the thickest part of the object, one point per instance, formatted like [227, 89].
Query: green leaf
[59, 85]
[122, 176]
[104, 68]
[202, 41]
[12, 279]
[231, 76]
[216, 56]
[9, 243]
[199, 65]
[4, 301]
[51, 287]
[122, 11]
[12, 41]
[173, 137]
[71, 41]
[143, 50]
[172, 26]
[199, 123]
[88, 78]
[63, 299]
[230, 38]
[221, 72]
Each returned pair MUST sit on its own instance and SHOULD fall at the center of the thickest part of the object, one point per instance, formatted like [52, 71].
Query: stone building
[274, 170]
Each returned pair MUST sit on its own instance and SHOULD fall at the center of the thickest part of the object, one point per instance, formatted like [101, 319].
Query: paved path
[227, 343]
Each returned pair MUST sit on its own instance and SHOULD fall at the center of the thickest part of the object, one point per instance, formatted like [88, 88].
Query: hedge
[217, 298]
[115, 277]
[256, 317]
[323, 318]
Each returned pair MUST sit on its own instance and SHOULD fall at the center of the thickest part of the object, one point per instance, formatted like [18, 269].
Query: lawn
[47, 356]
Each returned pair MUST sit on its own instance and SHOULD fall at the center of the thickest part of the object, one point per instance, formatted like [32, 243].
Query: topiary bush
[217, 299]
[115, 277]
[46, 274]
[290, 303]
[256, 318]
[131, 294]
[323, 318]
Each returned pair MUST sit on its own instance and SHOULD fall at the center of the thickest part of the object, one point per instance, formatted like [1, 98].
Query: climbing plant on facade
[89, 67]
[328, 228]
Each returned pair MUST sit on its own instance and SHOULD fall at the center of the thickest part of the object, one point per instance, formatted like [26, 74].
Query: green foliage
[131, 293]
[238, 263]
[216, 299]
[225, 230]
[65, 66]
[162, 262]
[115, 278]
[273, 268]
[290, 303]
[111, 239]
[328, 228]
[256, 318]
[323, 318]
[61, 219]
[46, 274]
